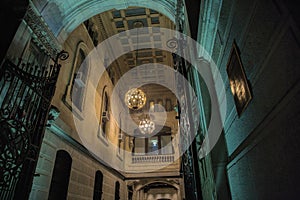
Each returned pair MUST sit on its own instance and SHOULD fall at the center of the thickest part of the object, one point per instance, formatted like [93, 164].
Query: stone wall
[84, 166]
[262, 142]
[83, 170]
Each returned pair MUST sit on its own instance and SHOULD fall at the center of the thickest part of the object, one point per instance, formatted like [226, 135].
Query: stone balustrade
[152, 159]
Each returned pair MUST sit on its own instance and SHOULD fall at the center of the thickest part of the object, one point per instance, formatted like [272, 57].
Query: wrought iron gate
[25, 96]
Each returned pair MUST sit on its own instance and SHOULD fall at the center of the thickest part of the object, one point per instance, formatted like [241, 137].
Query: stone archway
[158, 190]
[63, 17]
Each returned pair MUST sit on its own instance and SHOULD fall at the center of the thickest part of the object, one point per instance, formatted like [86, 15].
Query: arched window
[98, 185]
[159, 106]
[104, 114]
[169, 105]
[117, 191]
[120, 137]
[61, 175]
[79, 80]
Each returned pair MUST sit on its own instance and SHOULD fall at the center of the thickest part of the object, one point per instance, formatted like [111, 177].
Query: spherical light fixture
[146, 126]
[135, 99]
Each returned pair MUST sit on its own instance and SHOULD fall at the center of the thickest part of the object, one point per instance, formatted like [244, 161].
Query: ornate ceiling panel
[119, 21]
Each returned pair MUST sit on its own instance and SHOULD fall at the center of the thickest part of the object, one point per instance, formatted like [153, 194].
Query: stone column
[143, 196]
[137, 195]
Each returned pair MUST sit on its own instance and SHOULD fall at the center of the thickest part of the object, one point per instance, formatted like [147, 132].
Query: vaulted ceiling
[63, 16]
[147, 41]
[149, 53]
[119, 21]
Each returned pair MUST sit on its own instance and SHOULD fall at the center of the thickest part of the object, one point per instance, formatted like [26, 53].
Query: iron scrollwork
[63, 55]
[26, 91]
[15, 142]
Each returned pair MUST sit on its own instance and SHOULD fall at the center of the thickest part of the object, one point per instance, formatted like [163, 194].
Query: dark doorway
[117, 191]
[60, 176]
[98, 185]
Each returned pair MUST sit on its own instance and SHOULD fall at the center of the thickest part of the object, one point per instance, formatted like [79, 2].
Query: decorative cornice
[42, 35]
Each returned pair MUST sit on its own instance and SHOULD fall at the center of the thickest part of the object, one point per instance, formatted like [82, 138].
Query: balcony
[162, 164]
[136, 159]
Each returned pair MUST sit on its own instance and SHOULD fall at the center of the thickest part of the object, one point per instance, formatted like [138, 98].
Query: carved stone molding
[42, 35]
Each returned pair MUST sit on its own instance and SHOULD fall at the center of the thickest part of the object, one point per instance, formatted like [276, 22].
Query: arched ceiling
[63, 16]
[159, 184]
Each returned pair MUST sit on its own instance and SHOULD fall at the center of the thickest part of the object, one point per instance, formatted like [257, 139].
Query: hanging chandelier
[146, 126]
[135, 99]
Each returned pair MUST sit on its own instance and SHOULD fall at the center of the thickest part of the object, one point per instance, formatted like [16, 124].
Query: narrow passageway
[149, 100]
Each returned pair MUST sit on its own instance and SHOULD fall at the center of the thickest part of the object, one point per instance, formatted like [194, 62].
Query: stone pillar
[137, 195]
[178, 194]
[142, 195]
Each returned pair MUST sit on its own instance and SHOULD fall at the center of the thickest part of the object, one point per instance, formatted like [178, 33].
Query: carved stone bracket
[53, 115]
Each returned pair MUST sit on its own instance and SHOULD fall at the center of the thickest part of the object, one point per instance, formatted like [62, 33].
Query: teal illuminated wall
[262, 160]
